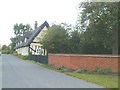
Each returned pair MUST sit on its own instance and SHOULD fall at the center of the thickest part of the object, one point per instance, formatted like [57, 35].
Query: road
[17, 73]
[0, 72]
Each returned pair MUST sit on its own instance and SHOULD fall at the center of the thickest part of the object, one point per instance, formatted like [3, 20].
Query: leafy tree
[0, 48]
[75, 42]
[99, 26]
[5, 49]
[21, 29]
[12, 44]
[118, 28]
[56, 40]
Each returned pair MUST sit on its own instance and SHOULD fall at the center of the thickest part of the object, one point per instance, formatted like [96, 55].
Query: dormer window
[25, 39]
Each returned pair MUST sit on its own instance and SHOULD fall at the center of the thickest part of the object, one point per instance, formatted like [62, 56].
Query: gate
[39, 58]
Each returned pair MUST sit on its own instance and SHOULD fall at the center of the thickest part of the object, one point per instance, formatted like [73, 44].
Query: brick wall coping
[90, 55]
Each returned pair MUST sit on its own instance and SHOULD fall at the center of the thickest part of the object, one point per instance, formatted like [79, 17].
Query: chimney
[36, 24]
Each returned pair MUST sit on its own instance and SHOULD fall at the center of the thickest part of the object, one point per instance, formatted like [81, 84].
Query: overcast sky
[29, 11]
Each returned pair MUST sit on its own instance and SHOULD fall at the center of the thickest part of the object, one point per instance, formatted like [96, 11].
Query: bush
[20, 56]
[61, 68]
[82, 70]
[97, 70]
[105, 70]
[24, 57]
[5, 52]
[15, 53]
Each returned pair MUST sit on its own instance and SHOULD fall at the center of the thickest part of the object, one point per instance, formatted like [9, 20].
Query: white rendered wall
[25, 51]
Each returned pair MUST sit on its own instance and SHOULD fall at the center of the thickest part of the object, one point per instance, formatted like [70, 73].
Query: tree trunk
[115, 40]
[115, 49]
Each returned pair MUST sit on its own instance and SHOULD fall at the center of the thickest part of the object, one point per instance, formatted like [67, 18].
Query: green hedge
[5, 51]
[20, 56]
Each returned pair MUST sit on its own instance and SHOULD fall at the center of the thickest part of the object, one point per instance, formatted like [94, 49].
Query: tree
[100, 25]
[56, 40]
[12, 44]
[21, 29]
[5, 49]
[119, 28]
[75, 42]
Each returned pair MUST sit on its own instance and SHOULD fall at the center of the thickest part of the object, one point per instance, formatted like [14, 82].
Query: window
[35, 47]
[25, 39]
[20, 42]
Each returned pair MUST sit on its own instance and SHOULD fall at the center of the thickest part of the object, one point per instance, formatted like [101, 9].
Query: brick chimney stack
[36, 24]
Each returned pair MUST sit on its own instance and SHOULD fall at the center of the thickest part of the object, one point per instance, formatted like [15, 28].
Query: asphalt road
[17, 73]
[0, 72]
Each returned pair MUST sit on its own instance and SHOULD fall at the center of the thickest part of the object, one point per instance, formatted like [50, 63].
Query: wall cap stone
[89, 55]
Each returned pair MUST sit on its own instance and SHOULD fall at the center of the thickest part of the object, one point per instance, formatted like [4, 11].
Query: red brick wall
[86, 61]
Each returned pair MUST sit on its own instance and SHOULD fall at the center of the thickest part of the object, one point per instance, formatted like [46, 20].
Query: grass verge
[108, 81]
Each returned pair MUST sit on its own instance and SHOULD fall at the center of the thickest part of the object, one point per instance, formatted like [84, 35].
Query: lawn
[109, 81]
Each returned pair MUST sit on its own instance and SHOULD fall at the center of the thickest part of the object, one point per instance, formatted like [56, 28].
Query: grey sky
[28, 11]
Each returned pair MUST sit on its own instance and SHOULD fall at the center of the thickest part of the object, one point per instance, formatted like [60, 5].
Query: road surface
[0, 72]
[18, 73]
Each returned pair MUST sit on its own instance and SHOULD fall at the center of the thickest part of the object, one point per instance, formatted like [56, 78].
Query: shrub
[5, 51]
[61, 68]
[97, 69]
[82, 70]
[20, 56]
[105, 70]
[24, 57]
[15, 53]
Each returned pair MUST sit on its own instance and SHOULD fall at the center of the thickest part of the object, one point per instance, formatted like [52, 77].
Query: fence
[39, 58]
